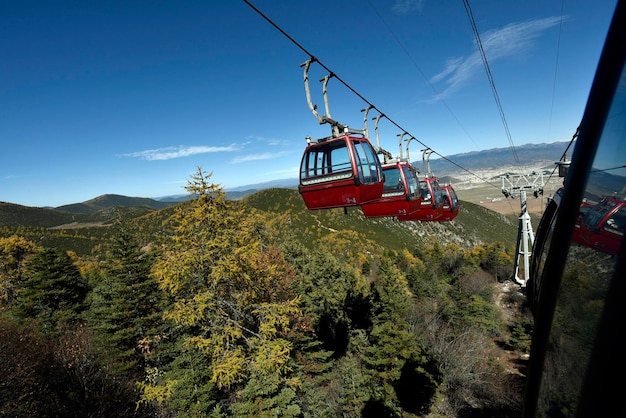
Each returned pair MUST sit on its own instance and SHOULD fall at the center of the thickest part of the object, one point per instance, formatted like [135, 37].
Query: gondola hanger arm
[379, 150]
[426, 160]
[337, 128]
[307, 90]
[324, 80]
[400, 139]
[408, 141]
[366, 130]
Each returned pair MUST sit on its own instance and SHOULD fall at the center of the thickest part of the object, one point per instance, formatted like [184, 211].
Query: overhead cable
[408, 54]
[556, 66]
[479, 45]
[334, 75]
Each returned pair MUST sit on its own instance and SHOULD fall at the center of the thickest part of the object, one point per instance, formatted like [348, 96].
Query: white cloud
[512, 39]
[258, 157]
[287, 171]
[403, 7]
[169, 153]
[253, 157]
[268, 141]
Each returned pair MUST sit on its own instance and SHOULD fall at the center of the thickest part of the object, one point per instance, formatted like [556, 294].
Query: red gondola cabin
[450, 206]
[339, 172]
[431, 206]
[603, 226]
[400, 193]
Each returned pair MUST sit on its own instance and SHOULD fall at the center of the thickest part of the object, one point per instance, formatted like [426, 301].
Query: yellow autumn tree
[230, 291]
[13, 252]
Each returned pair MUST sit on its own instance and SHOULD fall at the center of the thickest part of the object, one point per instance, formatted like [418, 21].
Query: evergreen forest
[259, 308]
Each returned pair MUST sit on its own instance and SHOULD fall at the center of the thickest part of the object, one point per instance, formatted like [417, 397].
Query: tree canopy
[220, 308]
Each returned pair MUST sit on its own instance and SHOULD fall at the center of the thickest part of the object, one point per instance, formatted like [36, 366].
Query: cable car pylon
[514, 186]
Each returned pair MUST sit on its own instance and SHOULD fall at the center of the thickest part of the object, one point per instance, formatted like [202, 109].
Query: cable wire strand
[556, 67]
[408, 54]
[479, 45]
[354, 91]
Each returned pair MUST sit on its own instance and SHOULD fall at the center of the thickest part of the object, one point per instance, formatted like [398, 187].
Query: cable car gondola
[401, 188]
[341, 170]
[432, 197]
[602, 227]
[451, 205]
[400, 192]
[431, 205]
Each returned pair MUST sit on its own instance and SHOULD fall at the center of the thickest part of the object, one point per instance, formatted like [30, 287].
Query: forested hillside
[258, 307]
[83, 233]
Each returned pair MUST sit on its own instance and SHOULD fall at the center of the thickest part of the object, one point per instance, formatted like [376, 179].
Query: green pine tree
[53, 291]
[125, 303]
[404, 376]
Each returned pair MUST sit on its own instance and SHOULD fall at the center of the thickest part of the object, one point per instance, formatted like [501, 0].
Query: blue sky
[130, 97]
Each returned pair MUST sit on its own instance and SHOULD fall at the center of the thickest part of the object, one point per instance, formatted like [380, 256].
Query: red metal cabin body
[400, 196]
[603, 226]
[431, 206]
[450, 206]
[585, 207]
[340, 172]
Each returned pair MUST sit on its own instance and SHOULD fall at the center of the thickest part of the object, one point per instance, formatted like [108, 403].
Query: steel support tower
[514, 186]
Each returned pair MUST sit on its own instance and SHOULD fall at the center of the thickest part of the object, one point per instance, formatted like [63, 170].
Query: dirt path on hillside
[509, 300]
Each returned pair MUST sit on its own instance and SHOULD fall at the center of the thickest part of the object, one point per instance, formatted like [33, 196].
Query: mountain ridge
[84, 233]
[112, 200]
[543, 155]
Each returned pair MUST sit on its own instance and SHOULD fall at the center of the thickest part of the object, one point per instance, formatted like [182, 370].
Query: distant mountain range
[538, 154]
[240, 192]
[491, 159]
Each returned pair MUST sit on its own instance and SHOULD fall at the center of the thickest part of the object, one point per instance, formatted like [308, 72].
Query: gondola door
[431, 205]
[450, 204]
[400, 194]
